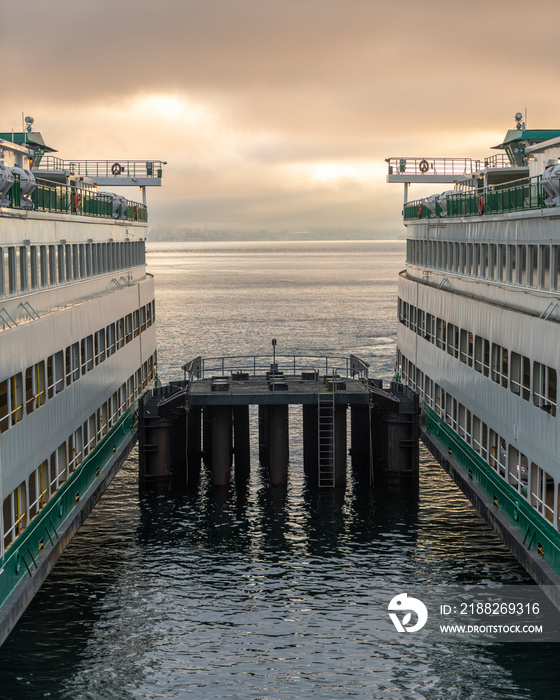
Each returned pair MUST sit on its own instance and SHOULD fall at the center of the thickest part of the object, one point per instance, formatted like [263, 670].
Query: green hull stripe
[19, 559]
[537, 533]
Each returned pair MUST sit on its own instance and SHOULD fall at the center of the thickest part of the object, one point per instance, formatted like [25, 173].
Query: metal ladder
[326, 439]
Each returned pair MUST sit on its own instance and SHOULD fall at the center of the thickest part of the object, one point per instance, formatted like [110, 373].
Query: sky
[278, 115]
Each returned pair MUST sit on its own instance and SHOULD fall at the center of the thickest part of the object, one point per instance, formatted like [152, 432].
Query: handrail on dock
[289, 365]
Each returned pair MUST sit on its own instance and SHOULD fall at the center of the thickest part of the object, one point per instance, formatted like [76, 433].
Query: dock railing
[291, 366]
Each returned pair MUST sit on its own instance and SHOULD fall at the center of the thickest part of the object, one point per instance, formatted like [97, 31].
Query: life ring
[424, 166]
[419, 211]
[77, 200]
[481, 205]
[136, 212]
[116, 169]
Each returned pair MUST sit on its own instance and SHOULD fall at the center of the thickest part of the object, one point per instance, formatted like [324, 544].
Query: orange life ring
[419, 211]
[116, 169]
[424, 166]
[136, 212]
[77, 200]
[481, 205]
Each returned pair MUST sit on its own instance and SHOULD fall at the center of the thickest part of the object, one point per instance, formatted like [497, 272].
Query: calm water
[268, 594]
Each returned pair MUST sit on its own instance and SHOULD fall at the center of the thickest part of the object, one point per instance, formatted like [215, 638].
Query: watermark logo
[405, 604]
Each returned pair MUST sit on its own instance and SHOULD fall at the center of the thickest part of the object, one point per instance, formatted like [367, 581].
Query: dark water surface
[260, 593]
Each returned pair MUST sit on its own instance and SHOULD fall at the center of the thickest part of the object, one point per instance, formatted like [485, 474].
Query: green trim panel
[537, 533]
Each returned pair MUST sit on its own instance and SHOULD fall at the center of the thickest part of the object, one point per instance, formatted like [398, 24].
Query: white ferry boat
[479, 332]
[77, 347]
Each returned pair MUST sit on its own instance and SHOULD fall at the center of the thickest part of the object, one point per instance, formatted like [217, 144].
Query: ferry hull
[30, 560]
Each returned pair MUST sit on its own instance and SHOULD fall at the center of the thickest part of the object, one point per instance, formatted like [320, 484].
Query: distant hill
[314, 234]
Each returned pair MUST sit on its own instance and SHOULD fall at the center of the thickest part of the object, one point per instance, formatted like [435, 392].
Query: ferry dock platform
[205, 419]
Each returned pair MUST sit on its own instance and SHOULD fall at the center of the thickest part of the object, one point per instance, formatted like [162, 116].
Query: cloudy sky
[278, 114]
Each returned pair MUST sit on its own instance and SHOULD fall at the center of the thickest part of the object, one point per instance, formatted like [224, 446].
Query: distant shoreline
[155, 236]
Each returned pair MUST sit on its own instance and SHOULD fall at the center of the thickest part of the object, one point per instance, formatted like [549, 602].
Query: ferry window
[33, 272]
[518, 470]
[78, 447]
[501, 263]
[87, 354]
[8, 521]
[53, 480]
[544, 267]
[128, 328]
[120, 333]
[462, 258]
[88, 270]
[451, 411]
[499, 365]
[482, 355]
[483, 260]
[476, 259]
[43, 472]
[440, 333]
[469, 259]
[111, 340]
[16, 397]
[82, 255]
[59, 371]
[4, 413]
[104, 419]
[69, 265]
[29, 390]
[521, 265]
[542, 492]
[136, 321]
[100, 346]
[421, 320]
[50, 376]
[408, 250]
[23, 285]
[11, 274]
[428, 390]
[533, 265]
[511, 264]
[92, 432]
[61, 267]
[555, 268]
[430, 328]
[20, 508]
[480, 437]
[72, 363]
[62, 463]
[33, 495]
[412, 310]
[492, 261]
[53, 264]
[43, 266]
[143, 319]
[452, 340]
[466, 347]
[86, 439]
[544, 387]
[94, 258]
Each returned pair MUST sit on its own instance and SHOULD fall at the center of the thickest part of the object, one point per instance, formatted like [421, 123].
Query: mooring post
[207, 435]
[263, 435]
[193, 446]
[278, 446]
[360, 440]
[241, 442]
[221, 445]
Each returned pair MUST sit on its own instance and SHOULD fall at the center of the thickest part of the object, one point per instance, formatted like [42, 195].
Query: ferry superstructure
[479, 332]
[77, 347]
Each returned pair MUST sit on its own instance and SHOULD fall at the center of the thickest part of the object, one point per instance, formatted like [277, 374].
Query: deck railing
[445, 166]
[103, 168]
[524, 195]
[72, 200]
[290, 365]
